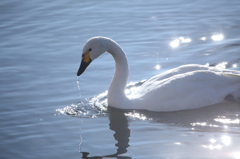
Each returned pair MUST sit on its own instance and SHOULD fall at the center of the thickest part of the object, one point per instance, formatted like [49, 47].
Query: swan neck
[116, 91]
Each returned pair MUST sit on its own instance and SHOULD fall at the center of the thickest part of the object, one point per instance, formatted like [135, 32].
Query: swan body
[185, 87]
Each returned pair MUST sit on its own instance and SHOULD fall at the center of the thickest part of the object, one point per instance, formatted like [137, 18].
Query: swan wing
[187, 90]
[179, 70]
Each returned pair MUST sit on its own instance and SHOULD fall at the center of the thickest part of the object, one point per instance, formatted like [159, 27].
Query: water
[44, 114]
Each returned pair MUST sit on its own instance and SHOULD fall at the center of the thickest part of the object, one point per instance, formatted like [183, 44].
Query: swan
[185, 87]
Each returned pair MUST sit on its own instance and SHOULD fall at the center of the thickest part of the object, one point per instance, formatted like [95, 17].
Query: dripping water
[78, 86]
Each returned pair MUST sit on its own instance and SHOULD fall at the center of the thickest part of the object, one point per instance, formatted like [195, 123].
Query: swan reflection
[118, 124]
[198, 120]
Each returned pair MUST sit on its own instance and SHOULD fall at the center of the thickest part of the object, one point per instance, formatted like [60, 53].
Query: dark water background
[40, 50]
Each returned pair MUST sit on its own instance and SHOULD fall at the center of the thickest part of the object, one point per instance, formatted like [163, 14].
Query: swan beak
[86, 60]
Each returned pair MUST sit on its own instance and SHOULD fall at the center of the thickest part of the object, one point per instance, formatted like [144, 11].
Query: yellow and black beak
[86, 60]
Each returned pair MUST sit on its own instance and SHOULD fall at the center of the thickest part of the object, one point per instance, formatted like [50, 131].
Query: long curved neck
[116, 91]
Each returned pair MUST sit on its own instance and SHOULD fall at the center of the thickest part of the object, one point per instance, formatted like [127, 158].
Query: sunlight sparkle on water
[234, 65]
[183, 40]
[236, 155]
[214, 144]
[199, 124]
[225, 126]
[228, 121]
[217, 37]
[157, 67]
[135, 115]
[127, 91]
[175, 43]
[212, 140]
[226, 140]
[222, 65]
[211, 147]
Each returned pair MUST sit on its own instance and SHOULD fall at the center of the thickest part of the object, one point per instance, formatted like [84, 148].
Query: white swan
[185, 87]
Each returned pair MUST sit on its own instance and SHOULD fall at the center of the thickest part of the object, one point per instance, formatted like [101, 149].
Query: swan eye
[90, 49]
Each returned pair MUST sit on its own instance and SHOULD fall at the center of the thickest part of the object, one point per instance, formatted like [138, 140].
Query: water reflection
[118, 124]
[210, 118]
[215, 118]
[199, 120]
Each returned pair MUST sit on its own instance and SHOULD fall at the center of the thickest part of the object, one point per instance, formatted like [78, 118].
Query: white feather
[185, 87]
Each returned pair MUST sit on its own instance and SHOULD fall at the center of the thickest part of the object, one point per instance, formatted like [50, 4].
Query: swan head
[93, 48]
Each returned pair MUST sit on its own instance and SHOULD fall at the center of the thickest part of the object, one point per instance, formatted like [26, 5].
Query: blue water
[47, 112]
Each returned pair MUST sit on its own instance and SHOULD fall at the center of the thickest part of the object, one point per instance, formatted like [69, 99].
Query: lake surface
[47, 112]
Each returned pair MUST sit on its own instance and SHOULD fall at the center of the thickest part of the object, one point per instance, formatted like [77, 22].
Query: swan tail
[235, 95]
[231, 98]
